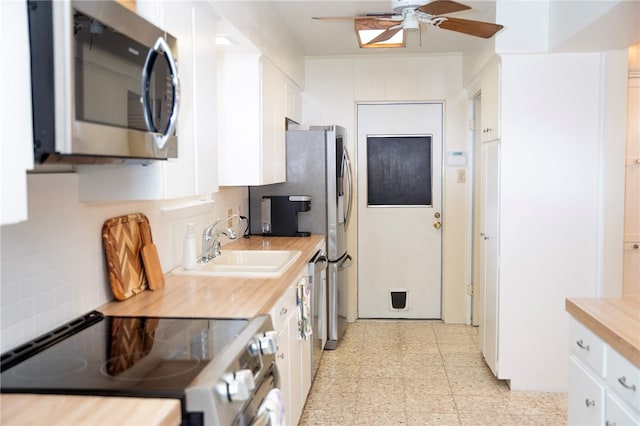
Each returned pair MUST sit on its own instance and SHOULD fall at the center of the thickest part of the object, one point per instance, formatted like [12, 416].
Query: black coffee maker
[280, 215]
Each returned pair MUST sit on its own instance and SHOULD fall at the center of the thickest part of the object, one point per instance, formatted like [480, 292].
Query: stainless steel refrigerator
[318, 165]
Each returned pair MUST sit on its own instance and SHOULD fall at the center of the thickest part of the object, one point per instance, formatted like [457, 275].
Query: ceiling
[338, 38]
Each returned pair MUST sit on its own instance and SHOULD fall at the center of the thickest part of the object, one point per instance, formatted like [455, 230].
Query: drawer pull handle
[581, 345]
[590, 402]
[623, 381]
[608, 423]
[283, 311]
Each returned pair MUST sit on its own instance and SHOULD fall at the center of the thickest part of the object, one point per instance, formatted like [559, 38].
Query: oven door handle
[271, 411]
[160, 46]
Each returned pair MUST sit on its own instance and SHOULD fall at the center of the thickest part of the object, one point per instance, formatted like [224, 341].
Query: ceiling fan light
[366, 35]
[410, 22]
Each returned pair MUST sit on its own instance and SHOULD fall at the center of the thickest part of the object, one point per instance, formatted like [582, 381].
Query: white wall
[257, 23]
[52, 266]
[333, 87]
[557, 193]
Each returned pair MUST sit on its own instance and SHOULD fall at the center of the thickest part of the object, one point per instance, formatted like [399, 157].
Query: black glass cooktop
[108, 355]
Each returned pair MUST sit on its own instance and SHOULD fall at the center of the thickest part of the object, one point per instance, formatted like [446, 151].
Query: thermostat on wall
[456, 158]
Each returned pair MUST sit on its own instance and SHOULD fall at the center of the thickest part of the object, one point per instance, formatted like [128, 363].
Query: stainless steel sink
[246, 263]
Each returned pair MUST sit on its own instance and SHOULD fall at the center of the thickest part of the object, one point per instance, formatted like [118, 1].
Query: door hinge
[470, 290]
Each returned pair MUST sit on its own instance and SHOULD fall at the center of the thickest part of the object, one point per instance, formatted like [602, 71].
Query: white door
[400, 210]
[488, 228]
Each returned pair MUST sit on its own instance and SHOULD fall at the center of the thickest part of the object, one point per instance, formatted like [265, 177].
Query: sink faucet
[211, 239]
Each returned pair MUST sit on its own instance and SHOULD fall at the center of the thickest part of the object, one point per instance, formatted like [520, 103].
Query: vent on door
[398, 300]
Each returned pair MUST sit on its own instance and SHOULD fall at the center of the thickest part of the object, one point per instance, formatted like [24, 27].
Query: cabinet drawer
[617, 414]
[588, 347]
[285, 306]
[585, 397]
[623, 378]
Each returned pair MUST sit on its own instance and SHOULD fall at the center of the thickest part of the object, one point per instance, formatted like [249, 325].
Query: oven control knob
[269, 343]
[235, 387]
[237, 390]
[245, 376]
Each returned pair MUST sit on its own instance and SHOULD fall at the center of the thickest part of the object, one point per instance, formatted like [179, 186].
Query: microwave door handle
[160, 46]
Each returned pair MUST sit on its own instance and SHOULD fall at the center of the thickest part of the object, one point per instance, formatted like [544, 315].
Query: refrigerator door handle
[347, 165]
[345, 263]
[319, 262]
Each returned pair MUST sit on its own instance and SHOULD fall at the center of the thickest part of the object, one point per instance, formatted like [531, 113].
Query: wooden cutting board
[122, 242]
[150, 259]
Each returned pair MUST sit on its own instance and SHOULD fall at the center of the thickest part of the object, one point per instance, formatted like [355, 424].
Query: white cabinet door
[252, 117]
[283, 363]
[617, 413]
[194, 172]
[16, 146]
[585, 396]
[489, 279]
[631, 256]
[293, 101]
[490, 91]
[300, 363]
[273, 123]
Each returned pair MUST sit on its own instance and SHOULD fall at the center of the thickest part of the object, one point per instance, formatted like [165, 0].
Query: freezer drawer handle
[581, 345]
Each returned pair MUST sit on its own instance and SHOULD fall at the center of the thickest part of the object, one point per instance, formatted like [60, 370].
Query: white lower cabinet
[604, 387]
[586, 396]
[294, 354]
[617, 413]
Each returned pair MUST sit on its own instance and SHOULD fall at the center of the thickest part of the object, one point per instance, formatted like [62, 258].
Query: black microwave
[104, 84]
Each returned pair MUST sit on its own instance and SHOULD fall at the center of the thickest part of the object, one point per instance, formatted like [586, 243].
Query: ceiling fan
[408, 14]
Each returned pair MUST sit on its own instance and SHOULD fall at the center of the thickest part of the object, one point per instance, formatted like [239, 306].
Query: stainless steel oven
[104, 84]
[222, 370]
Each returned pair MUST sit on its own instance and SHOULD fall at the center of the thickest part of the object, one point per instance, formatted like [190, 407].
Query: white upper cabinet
[16, 146]
[194, 172]
[255, 100]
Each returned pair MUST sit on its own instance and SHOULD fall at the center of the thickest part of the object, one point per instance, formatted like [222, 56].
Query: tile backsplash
[52, 267]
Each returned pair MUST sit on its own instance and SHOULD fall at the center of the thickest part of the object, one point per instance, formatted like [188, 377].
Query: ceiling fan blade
[466, 26]
[350, 18]
[385, 35]
[336, 18]
[441, 7]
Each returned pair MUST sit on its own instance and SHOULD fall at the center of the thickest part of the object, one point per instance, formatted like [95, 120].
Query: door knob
[437, 224]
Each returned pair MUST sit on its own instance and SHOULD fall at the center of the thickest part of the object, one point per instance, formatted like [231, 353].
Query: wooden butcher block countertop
[182, 296]
[38, 410]
[221, 297]
[616, 321]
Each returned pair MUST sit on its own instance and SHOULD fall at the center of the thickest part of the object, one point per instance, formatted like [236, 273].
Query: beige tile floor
[419, 373]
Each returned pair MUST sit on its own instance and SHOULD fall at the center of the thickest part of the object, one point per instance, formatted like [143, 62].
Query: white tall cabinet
[489, 196]
[631, 271]
[487, 204]
[543, 183]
